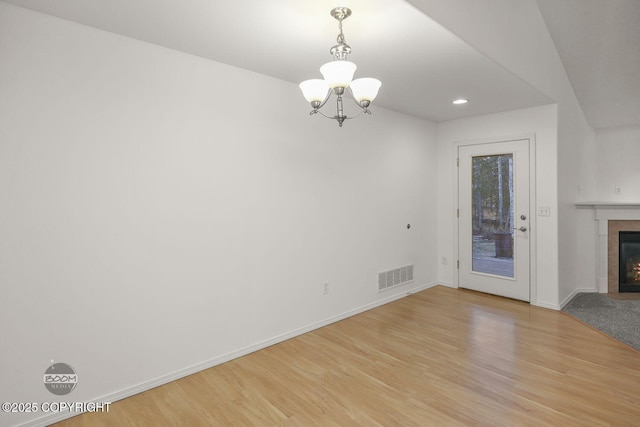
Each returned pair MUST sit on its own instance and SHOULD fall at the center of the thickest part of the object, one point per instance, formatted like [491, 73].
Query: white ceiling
[599, 44]
[422, 66]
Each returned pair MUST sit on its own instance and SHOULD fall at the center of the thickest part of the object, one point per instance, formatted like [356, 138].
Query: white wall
[541, 121]
[513, 34]
[577, 244]
[618, 152]
[162, 212]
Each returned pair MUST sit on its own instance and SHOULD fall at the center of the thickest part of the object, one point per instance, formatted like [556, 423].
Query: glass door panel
[492, 214]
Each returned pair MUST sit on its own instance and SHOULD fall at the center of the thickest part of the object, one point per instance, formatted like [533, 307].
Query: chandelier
[338, 75]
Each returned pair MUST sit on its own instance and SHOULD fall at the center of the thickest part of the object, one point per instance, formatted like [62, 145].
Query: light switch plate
[544, 211]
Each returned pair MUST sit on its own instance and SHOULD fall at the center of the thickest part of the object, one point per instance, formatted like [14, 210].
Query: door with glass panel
[493, 218]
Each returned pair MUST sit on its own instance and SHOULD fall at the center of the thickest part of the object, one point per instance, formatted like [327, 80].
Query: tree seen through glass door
[492, 214]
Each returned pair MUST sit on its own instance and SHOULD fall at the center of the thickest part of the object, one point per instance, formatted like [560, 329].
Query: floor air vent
[398, 276]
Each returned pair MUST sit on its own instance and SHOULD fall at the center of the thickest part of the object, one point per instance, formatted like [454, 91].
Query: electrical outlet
[617, 191]
[325, 288]
[445, 261]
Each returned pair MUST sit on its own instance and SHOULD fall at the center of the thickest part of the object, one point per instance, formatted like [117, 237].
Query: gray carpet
[618, 318]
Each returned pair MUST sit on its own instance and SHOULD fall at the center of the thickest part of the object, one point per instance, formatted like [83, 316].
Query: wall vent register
[395, 277]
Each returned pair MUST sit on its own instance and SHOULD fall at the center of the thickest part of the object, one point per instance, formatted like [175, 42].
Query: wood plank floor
[441, 357]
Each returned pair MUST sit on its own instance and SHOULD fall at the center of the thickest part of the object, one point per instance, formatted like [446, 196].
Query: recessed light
[460, 101]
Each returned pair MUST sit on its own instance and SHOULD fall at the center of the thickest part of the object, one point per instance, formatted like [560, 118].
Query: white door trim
[533, 257]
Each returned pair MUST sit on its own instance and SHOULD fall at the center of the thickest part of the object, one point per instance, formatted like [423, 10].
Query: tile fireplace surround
[612, 218]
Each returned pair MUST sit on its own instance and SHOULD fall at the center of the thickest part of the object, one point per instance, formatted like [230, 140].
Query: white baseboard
[543, 304]
[448, 285]
[421, 288]
[574, 293]
[164, 379]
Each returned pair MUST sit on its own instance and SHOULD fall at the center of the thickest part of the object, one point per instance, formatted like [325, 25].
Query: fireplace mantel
[608, 205]
[614, 210]
[605, 212]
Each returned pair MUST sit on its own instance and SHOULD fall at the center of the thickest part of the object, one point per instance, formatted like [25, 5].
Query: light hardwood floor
[441, 357]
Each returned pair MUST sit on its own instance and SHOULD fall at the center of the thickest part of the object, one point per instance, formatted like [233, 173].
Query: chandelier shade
[338, 73]
[365, 89]
[338, 76]
[314, 90]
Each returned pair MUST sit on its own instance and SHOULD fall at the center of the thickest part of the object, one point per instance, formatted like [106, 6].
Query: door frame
[533, 229]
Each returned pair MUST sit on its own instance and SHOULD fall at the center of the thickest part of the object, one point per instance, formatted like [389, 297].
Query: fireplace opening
[629, 261]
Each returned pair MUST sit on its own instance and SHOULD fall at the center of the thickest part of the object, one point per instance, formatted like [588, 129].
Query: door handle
[523, 228]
